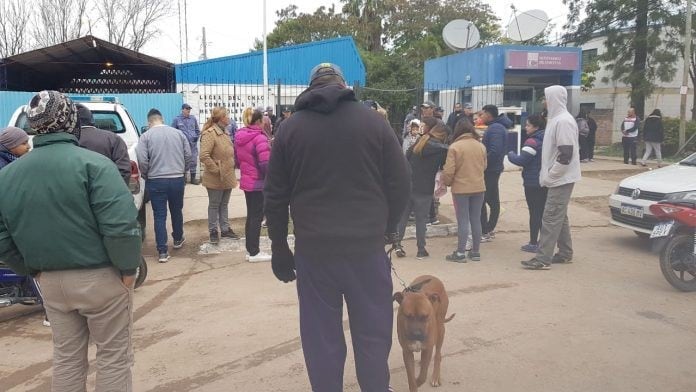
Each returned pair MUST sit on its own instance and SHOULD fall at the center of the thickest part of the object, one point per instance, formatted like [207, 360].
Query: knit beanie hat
[52, 112]
[12, 137]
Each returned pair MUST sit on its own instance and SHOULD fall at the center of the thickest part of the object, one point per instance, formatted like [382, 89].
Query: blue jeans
[163, 191]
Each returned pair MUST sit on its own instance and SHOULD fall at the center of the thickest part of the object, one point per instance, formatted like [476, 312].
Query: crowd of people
[336, 164]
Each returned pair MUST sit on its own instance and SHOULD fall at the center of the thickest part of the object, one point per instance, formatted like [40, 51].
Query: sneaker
[560, 259]
[259, 257]
[229, 234]
[422, 253]
[469, 244]
[535, 264]
[163, 257]
[214, 237]
[178, 244]
[400, 252]
[531, 248]
[46, 323]
[486, 238]
[435, 222]
[642, 164]
[475, 256]
[584, 161]
[456, 257]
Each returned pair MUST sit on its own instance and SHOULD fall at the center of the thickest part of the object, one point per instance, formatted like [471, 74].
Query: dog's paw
[420, 381]
[435, 383]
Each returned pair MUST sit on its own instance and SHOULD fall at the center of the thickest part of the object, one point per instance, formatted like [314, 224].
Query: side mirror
[144, 129]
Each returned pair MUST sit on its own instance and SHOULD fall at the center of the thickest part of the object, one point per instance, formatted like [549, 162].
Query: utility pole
[204, 46]
[265, 60]
[186, 28]
[685, 77]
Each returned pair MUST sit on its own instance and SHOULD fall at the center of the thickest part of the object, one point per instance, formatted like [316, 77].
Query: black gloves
[283, 262]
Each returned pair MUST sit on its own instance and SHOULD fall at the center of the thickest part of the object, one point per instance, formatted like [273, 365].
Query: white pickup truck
[112, 116]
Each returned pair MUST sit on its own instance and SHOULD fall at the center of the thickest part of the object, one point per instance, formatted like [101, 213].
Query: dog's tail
[448, 319]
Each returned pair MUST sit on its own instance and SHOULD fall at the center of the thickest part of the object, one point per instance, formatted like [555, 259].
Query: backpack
[583, 127]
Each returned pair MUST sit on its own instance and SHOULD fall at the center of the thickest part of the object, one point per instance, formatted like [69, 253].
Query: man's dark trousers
[163, 191]
[492, 199]
[365, 283]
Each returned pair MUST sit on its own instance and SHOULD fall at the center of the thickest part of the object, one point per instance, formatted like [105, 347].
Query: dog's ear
[398, 297]
[434, 298]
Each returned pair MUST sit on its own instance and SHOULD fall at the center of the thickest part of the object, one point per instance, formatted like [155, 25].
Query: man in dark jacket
[495, 140]
[72, 224]
[103, 142]
[339, 167]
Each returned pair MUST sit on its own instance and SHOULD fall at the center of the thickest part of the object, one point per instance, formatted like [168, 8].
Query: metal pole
[265, 59]
[685, 77]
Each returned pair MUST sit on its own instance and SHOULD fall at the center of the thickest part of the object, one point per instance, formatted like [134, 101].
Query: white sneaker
[259, 257]
[46, 323]
[469, 244]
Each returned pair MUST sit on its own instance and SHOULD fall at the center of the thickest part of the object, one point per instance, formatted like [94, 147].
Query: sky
[232, 25]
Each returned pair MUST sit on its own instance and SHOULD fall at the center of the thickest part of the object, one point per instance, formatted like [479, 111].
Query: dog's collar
[414, 288]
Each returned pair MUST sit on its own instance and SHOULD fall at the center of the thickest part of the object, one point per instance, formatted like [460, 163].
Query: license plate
[662, 229]
[635, 211]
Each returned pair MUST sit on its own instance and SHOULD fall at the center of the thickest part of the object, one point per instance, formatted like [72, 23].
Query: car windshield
[108, 121]
[689, 161]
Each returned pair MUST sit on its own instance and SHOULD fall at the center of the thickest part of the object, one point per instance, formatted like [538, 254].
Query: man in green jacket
[70, 221]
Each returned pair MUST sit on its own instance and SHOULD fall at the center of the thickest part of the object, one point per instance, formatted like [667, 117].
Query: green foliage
[639, 45]
[671, 142]
[588, 77]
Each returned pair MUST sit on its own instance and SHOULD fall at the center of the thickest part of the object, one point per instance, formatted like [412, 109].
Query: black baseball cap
[185, 106]
[325, 69]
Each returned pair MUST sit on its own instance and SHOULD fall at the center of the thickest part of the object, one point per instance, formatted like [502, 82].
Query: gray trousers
[83, 304]
[420, 205]
[468, 210]
[649, 147]
[555, 227]
[218, 199]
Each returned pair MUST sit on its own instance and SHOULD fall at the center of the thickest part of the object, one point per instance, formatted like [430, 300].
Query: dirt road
[607, 322]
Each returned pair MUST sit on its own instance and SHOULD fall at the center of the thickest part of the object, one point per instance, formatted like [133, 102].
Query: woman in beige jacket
[463, 172]
[217, 158]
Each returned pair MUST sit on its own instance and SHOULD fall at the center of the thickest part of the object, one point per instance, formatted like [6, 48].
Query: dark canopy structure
[86, 65]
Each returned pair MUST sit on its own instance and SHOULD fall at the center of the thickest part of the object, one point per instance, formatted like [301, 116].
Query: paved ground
[608, 322]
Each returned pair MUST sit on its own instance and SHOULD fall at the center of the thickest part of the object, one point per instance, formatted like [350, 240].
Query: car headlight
[681, 195]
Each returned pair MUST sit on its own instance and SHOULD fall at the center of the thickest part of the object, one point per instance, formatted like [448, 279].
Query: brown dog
[420, 324]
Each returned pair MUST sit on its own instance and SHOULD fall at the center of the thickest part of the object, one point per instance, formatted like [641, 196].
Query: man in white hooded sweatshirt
[560, 170]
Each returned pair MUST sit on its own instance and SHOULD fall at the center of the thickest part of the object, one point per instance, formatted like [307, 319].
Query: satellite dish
[527, 25]
[461, 34]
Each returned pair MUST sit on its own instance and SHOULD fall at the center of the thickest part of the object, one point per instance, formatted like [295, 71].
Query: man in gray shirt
[164, 155]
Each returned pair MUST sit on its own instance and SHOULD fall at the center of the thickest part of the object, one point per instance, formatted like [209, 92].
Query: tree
[637, 52]
[132, 23]
[13, 27]
[59, 21]
[370, 16]
[293, 28]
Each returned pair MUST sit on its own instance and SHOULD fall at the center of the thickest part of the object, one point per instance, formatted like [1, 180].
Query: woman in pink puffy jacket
[252, 152]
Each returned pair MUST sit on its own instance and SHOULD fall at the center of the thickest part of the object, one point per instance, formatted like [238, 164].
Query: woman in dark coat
[653, 135]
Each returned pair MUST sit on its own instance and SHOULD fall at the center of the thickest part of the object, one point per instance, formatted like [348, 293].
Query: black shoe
[400, 252]
[163, 257]
[178, 244]
[560, 259]
[422, 253]
[229, 234]
[535, 264]
[456, 257]
[214, 237]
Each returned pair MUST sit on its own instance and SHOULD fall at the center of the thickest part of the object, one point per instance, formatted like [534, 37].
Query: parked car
[112, 116]
[630, 204]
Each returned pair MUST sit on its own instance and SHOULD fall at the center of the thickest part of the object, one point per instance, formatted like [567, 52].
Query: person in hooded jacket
[653, 135]
[530, 161]
[339, 167]
[426, 157]
[495, 140]
[14, 143]
[252, 152]
[560, 170]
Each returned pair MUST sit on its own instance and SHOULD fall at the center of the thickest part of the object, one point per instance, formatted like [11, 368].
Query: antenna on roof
[526, 25]
[460, 34]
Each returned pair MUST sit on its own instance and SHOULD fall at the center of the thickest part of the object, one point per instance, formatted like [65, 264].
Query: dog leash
[391, 264]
